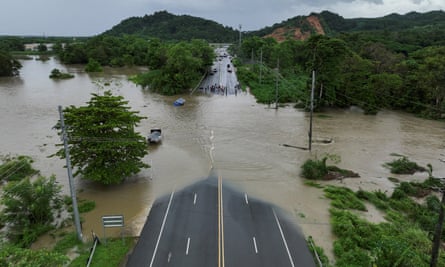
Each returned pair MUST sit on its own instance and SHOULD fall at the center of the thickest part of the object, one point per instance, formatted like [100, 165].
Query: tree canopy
[104, 146]
[174, 68]
[350, 70]
[8, 65]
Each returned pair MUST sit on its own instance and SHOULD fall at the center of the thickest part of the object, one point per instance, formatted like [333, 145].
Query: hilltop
[167, 26]
[301, 27]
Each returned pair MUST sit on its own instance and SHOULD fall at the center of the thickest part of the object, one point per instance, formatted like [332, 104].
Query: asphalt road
[211, 224]
[222, 77]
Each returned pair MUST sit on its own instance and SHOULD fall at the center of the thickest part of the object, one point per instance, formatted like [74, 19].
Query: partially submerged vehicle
[155, 136]
[179, 102]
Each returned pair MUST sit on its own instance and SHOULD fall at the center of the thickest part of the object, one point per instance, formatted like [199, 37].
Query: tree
[103, 143]
[8, 65]
[29, 208]
[93, 66]
[325, 55]
[42, 47]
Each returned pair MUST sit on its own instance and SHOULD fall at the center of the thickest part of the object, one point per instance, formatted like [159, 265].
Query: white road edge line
[245, 198]
[284, 239]
[254, 245]
[162, 229]
[194, 199]
[188, 246]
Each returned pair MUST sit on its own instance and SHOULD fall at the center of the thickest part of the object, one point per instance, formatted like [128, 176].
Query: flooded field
[242, 140]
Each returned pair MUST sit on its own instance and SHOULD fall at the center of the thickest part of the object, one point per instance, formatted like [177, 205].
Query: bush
[16, 168]
[404, 166]
[57, 74]
[344, 198]
[93, 66]
[29, 208]
[314, 169]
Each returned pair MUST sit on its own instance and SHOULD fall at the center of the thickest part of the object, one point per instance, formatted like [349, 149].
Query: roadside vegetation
[32, 206]
[317, 169]
[403, 165]
[104, 146]
[355, 69]
[403, 239]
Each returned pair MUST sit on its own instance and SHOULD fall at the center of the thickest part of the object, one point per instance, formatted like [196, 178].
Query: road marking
[220, 224]
[254, 245]
[169, 256]
[245, 198]
[188, 246]
[162, 229]
[284, 239]
[194, 199]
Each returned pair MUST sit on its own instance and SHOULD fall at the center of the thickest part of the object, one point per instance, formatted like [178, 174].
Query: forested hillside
[166, 26]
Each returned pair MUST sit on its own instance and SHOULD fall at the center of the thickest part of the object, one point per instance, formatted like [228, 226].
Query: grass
[403, 240]
[403, 166]
[112, 253]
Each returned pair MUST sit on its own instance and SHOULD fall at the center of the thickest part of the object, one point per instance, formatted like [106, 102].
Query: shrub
[344, 198]
[16, 168]
[57, 74]
[93, 66]
[314, 169]
[404, 166]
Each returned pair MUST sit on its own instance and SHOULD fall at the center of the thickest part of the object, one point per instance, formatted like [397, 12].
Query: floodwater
[242, 140]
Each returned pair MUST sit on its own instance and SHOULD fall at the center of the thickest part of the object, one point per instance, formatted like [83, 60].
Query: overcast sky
[92, 17]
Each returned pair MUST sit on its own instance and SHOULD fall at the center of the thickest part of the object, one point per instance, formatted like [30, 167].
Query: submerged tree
[8, 65]
[29, 208]
[104, 145]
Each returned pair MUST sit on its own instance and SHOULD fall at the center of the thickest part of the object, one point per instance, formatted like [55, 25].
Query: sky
[92, 17]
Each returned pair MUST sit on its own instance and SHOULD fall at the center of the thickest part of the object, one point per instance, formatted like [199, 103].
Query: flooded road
[242, 140]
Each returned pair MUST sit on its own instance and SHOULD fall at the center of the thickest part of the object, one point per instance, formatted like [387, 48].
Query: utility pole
[438, 232]
[70, 176]
[239, 36]
[276, 84]
[312, 110]
[261, 64]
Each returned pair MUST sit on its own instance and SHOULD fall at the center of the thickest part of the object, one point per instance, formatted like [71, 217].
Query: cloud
[89, 17]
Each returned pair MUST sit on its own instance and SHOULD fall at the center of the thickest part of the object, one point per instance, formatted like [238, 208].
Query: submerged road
[211, 224]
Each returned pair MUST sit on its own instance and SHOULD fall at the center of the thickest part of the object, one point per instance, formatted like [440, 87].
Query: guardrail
[93, 249]
[320, 264]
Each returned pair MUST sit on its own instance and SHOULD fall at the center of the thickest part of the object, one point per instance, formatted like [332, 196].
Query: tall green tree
[431, 78]
[325, 55]
[104, 145]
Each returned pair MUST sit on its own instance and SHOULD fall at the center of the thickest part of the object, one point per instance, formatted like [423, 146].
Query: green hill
[167, 26]
[333, 23]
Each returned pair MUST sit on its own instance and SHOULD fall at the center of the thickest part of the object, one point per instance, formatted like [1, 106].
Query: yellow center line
[220, 225]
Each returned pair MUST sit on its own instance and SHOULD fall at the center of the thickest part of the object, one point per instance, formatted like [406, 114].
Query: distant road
[222, 75]
[211, 224]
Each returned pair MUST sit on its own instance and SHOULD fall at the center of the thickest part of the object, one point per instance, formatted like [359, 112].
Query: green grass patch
[344, 198]
[86, 205]
[378, 198]
[394, 180]
[110, 254]
[68, 241]
[403, 166]
[313, 184]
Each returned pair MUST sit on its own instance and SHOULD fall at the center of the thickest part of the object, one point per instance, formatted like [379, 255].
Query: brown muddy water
[242, 140]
